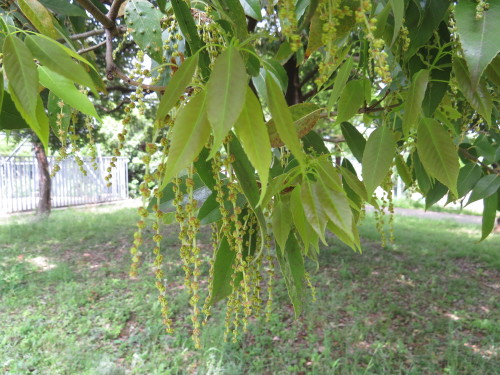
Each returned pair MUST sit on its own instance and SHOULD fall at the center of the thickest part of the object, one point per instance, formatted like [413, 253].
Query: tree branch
[104, 20]
[91, 48]
[87, 34]
[115, 8]
[471, 157]
[308, 76]
[121, 104]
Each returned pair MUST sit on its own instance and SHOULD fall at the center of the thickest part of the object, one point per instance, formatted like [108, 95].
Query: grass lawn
[429, 304]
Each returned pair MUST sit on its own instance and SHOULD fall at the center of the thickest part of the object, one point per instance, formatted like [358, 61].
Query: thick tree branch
[115, 8]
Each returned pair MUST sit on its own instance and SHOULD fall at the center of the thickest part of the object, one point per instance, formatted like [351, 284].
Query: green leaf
[282, 223]
[354, 140]
[423, 179]
[350, 100]
[166, 202]
[223, 271]
[210, 210]
[304, 115]
[204, 168]
[434, 195]
[468, 176]
[66, 90]
[1, 91]
[189, 134]
[226, 91]
[377, 158]
[329, 175]
[354, 183]
[413, 103]
[22, 74]
[313, 207]
[403, 171]
[437, 153]
[39, 16]
[144, 22]
[176, 87]
[252, 9]
[10, 118]
[479, 97]
[64, 8]
[398, 10]
[283, 119]
[252, 132]
[292, 268]
[485, 187]
[58, 58]
[299, 217]
[479, 38]
[489, 215]
[233, 12]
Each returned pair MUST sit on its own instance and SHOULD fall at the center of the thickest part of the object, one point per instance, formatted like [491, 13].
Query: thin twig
[91, 48]
[334, 139]
[471, 157]
[87, 34]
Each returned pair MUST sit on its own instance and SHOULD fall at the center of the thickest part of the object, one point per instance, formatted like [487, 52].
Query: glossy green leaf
[351, 100]
[478, 97]
[22, 74]
[64, 8]
[434, 195]
[378, 157]
[313, 207]
[468, 176]
[10, 118]
[66, 90]
[176, 87]
[485, 187]
[252, 9]
[223, 271]
[479, 38]
[39, 16]
[252, 132]
[283, 119]
[292, 266]
[489, 215]
[305, 116]
[226, 92]
[189, 134]
[59, 59]
[437, 153]
[413, 102]
[398, 10]
[282, 223]
[144, 22]
[354, 140]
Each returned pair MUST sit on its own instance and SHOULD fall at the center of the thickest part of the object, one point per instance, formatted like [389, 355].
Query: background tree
[243, 86]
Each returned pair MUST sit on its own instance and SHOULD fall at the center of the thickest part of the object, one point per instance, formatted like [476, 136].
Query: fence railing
[19, 183]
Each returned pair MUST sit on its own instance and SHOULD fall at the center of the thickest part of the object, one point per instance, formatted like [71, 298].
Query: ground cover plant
[428, 304]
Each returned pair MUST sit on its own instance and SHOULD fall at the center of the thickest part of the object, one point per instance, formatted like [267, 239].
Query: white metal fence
[19, 183]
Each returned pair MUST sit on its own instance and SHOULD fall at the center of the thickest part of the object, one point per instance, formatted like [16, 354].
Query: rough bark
[44, 204]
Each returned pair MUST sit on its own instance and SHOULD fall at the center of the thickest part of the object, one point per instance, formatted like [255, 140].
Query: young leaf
[226, 91]
[343, 74]
[413, 103]
[176, 87]
[437, 153]
[144, 22]
[304, 115]
[489, 215]
[189, 134]
[354, 140]
[252, 9]
[478, 97]
[377, 158]
[283, 119]
[350, 100]
[39, 16]
[282, 223]
[479, 38]
[484, 188]
[252, 132]
[22, 74]
[313, 207]
[57, 58]
[292, 266]
[66, 90]
[398, 10]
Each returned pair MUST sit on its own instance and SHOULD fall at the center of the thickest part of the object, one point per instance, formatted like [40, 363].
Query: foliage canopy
[242, 92]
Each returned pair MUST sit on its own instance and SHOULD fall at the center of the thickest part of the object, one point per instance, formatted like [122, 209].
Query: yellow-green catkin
[480, 8]
[62, 135]
[288, 22]
[270, 287]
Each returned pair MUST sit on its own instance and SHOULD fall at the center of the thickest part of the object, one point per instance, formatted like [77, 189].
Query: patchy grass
[429, 304]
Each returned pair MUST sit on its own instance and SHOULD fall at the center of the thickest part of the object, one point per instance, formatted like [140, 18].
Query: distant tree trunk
[44, 204]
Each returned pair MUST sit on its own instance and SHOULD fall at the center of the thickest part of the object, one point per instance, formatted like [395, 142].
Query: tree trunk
[44, 204]
[293, 93]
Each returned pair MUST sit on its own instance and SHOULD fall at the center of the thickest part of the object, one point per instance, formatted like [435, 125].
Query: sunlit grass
[427, 304]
